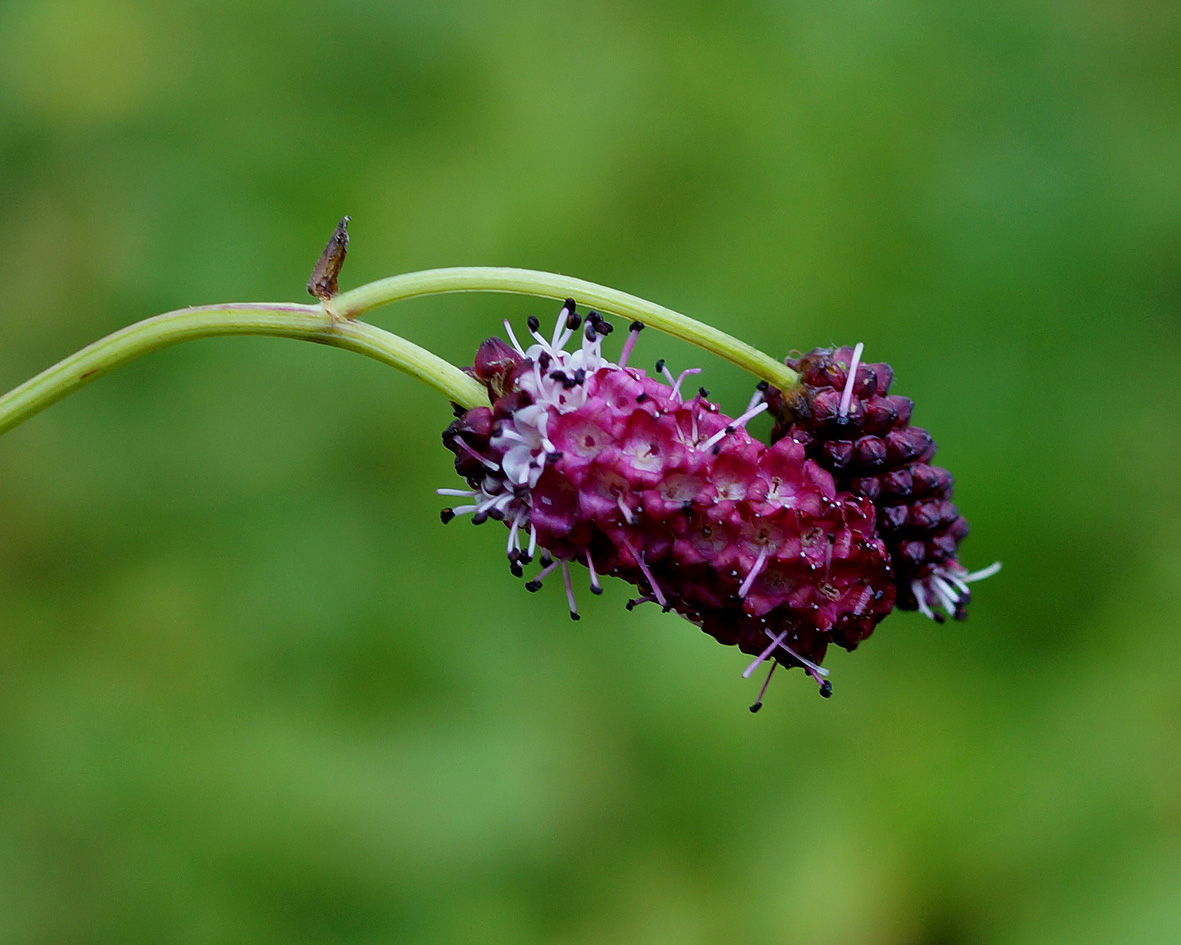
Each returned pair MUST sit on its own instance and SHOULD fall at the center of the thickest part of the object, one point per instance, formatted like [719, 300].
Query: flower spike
[604, 466]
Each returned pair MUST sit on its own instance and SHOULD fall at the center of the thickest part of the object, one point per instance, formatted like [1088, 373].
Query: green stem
[333, 323]
[282, 320]
[550, 285]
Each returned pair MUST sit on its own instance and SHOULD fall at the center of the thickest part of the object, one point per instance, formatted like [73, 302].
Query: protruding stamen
[535, 584]
[850, 381]
[816, 671]
[513, 338]
[463, 444]
[633, 604]
[982, 573]
[755, 400]
[625, 511]
[734, 425]
[758, 704]
[595, 586]
[775, 641]
[514, 535]
[574, 614]
[920, 596]
[754, 572]
[656, 592]
[675, 393]
[629, 345]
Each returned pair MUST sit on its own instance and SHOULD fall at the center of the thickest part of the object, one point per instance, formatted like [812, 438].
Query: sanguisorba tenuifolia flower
[595, 463]
[849, 423]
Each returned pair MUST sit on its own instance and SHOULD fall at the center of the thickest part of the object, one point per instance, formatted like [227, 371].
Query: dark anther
[826, 689]
[544, 360]
[660, 366]
[703, 392]
[596, 588]
[631, 604]
[447, 515]
[534, 323]
[570, 305]
[756, 707]
[546, 559]
[516, 570]
[580, 376]
[532, 586]
[762, 385]
[590, 330]
[479, 518]
[553, 457]
[641, 397]
[558, 376]
[636, 326]
[573, 320]
[458, 410]
[575, 615]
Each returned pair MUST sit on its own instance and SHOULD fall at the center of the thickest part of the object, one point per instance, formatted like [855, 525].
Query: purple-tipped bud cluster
[848, 422]
[596, 463]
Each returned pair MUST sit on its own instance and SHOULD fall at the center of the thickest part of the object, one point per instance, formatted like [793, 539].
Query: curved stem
[283, 320]
[553, 286]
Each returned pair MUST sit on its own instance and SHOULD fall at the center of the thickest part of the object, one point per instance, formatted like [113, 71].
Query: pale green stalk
[333, 323]
[549, 285]
[281, 320]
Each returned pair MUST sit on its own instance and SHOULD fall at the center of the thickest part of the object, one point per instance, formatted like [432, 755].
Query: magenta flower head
[594, 463]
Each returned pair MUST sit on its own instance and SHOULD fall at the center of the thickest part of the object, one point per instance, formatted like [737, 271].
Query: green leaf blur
[251, 691]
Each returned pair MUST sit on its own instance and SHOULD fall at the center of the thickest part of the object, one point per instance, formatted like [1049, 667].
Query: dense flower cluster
[849, 423]
[767, 548]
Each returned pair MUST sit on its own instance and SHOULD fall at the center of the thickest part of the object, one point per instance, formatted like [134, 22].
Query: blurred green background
[251, 691]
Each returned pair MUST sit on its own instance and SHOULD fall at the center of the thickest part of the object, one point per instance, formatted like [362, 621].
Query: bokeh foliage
[253, 692]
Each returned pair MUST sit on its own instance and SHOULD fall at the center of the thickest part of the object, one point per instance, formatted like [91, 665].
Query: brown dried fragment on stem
[322, 284]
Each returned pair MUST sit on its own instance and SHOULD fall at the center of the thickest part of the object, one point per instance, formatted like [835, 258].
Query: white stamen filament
[676, 391]
[815, 669]
[755, 400]
[513, 338]
[594, 578]
[735, 424]
[656, 592]
[920, 596]
[628, 346]
[569, 590]
[754, 572]
[851, 380]
[775, 641]
[982, 573]
[625, 511]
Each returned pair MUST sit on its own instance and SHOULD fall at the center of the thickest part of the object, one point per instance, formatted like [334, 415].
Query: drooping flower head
[595, 463]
